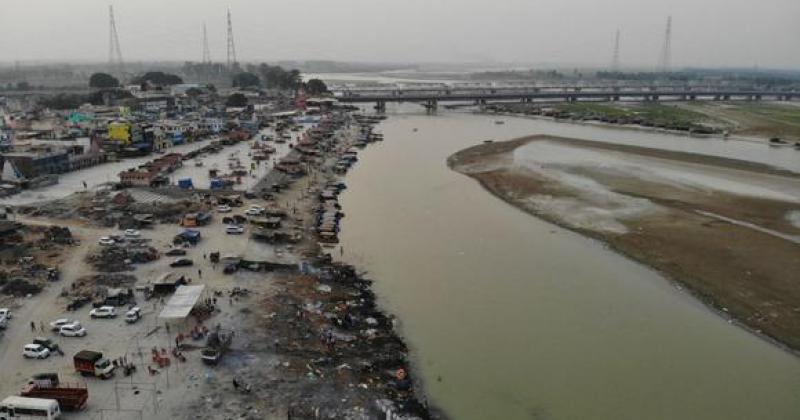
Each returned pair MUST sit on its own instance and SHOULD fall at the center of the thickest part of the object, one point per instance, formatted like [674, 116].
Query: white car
[132, 233]
[5, 313]
[35, 351]
[72, 330]
[133, 315]
[106, 241]
[103, 312]
[255, 211]
[57, 324]
[234, 230]
[224, 208]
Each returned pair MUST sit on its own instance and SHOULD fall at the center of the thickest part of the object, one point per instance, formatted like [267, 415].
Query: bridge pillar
[615, 98]
[380, 106]
[692, 97]
[655, 98]
[727, 97]
[757, 97]
[717, 97]
[431, 105]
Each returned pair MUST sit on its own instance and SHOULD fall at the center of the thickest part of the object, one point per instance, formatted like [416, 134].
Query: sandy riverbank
[724, 229]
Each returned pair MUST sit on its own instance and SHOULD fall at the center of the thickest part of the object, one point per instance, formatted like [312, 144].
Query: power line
[206, 51]
[665, 64]
[231, 45]
[114, 51]
[615, 59]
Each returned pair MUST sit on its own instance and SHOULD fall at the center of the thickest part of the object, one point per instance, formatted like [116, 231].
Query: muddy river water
[510, 317]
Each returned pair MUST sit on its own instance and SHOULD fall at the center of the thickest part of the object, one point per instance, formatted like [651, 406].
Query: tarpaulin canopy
[182, 302]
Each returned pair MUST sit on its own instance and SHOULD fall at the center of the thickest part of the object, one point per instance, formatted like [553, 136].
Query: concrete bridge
[430, 97]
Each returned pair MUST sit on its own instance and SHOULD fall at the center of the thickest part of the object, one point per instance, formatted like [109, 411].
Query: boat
[499, 122]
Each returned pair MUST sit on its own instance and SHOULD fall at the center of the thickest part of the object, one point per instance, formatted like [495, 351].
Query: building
[155, 102]
[213, 125]
[124, 133]
[138, 177]
[22, 166]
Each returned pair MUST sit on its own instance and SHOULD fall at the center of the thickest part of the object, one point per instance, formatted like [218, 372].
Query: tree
[316, 87]
[103, 81]
[158, 78]
[275, 77]
[246, 80]
[236, 100]
[193, 92]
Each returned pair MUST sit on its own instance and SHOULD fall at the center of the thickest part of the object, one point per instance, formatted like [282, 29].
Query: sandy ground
[179, 384]
[724, 229]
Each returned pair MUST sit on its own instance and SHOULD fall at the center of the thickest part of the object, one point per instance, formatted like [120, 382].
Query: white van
[18, 408]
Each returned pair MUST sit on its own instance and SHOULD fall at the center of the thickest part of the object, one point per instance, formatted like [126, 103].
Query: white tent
[182, 302]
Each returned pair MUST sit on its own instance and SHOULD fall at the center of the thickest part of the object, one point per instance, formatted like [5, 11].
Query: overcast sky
[708, 33]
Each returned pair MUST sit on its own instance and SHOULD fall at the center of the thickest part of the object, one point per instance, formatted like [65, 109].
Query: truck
[217, 344]
[70, 397]
[92, 363]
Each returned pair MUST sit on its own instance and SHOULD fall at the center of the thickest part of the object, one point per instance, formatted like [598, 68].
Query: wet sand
[734, 246]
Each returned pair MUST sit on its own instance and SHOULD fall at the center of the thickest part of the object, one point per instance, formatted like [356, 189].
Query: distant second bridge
[430, 97]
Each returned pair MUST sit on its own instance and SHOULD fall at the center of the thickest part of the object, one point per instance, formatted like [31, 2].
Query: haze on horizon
[707, 33]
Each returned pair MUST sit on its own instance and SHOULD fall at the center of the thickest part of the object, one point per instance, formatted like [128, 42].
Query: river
[510, 317]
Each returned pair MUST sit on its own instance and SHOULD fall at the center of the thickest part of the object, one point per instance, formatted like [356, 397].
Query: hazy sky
[705, 32]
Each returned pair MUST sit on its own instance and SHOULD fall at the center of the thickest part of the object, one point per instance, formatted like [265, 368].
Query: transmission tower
[615, 59]
[206, 52]
[666, 54]
[114, 51]
[231, 45]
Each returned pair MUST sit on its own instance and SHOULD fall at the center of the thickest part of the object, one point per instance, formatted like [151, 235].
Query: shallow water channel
[510, 317]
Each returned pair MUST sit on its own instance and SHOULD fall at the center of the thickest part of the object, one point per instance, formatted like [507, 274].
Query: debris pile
[115, 258]
[335, 333]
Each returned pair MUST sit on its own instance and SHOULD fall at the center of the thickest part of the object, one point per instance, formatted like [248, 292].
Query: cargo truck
[92, 363]
[70, 397]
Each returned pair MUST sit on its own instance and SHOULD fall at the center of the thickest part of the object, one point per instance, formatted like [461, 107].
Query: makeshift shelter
[181, 303]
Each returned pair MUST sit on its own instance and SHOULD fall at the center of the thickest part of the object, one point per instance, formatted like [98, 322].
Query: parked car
[103, 312]
[132, 233]
[106, 241]
[181, 262]
[175, 252]
[72, 330]
[48, 344]
[133, 315]
[255, 211]
[57, 324]
[234, 230]
[35, 351]
[5, 313]
[224, 208]
[77, 303]
[3, 322]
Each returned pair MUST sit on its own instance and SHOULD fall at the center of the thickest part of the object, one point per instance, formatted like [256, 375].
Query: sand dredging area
[726, 230]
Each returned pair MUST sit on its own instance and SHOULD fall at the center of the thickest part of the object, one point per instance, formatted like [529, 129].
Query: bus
[21, 408]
